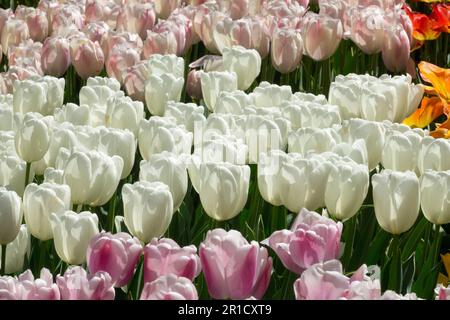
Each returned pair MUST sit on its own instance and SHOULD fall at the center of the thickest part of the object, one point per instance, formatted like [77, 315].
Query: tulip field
[224, 149]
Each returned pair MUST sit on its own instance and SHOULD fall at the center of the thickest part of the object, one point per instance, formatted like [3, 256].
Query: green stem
[27, 173]
[112, 212]
[3, 266]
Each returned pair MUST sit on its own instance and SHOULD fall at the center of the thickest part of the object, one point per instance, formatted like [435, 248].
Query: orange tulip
[424, 27]
[430, 109]
[441, 14]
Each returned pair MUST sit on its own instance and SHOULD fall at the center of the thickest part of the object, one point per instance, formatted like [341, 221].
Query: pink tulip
[95, 30]
[36, 21]
[76, 284]
[10, 288]
[55, 56]
[3, 85]
[102, 10]
[112, 39]
[186, 15]
[87, 57]
[135, 79]
[208, 27]
[443, 293]
[312, 239]
[66, 18]
[363, 287]
[119, 60]
[180, 32]
[18, 73]
[169, 287]
[193, 84]
[38, 289]
[236, 9]
[333, 8]
[367, 30]
[164, 256]
[396, 49]
[234, 268]
[164, 8]
[322, 281]
[200, 12]
[392, 295]
[136, 18]
[5, 14]
[287, 50]
[116, 254]
[321, 36]
[14, 32]
[26, 54]
[160, 43]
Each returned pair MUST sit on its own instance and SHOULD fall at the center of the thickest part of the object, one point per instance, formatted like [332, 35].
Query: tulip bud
[160, 134]
[215, 82]
[223, 188]
[396, 200]
[32, 138]
[55, 56]
[396, 49]
[401, 151]
[346, 189]
[161, 89]
[164, 256]
[435, 197]
[168, 169]
[434, 155]
[269, 173]
[169, 287]
[287, 50]
[322, 35]
[72, 233]
[42, 288]
[194, 84]
[323, 281]
[87, 57]
[148, 209]
[39, 202]
[17, 249]
[246, 63]
[234, 268]
[116, 254]
[76, 284]
[123, 113]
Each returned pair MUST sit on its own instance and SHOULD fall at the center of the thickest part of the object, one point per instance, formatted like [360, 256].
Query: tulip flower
[246, 63]
[221, 148]
[163, 42]
[72, 233]
[55, 56]
[123, 113]
[194, 85]
[16, 250]
[312, 140]
[443, 293]
[76, 284]
[148, 209]
[54, 92]
[180, 32]
[92, 176]
[321, 36]
[32, 138]
[75, 114]
[135, 79]
[434, 155]
[95, 30]
[14, 32]
[346, 189]
[168, 169]
[185, 114]
[169, 287]
[36, 21]
[215, 82]
[392, 295]
[401, 151]
[12, 172]
[396, 200]
[395, 51]
[287, 50]
[136, 18]
[87, 57]
[434, 196]
[270, 95]
[41, 288]
[311, 239]
[368, 29]
[119, 60]
[160, 134]
[164, 257]
[116, 254]
[233, 102]
[356, 151]
[161, 89]
[345, 92]
[425, 27]
[269, 174]
[30, 96]
[10, 288]
[322, 281]
[159, 64]
[226, 256]
[120, 41]
[39, 202]
[223, 187]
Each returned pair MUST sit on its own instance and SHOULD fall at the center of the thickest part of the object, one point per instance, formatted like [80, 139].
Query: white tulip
[435, 196]
[168, 169]
[30, 96]
[307, 114]
[434, 154]
[124, 113]
[111, 83]
[378, 102]
[346, 189]
[16, 251]
[221, 148]
[246, 63]
[223, 188]
[12, 173]
[158, 64]
[161, 134]
[54, 93]
[32, 138]
[187, 114]
[396, 200]
[148, 209]
[70, 112]
[53, 175]
[312, 140]
[232, 102]
[346, 94]
[357, 151]
[92, 176]
[161, 89]
[401, 151]
[122, 143]
[270, 95]
[39, 202]
[72, 234]
[10, 215]
[215, 82]
[301, 97]
[269, 176]
[6, 118]
[96, 98]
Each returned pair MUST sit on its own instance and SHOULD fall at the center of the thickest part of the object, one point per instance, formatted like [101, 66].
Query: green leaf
[414, 238]
[377, 248]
